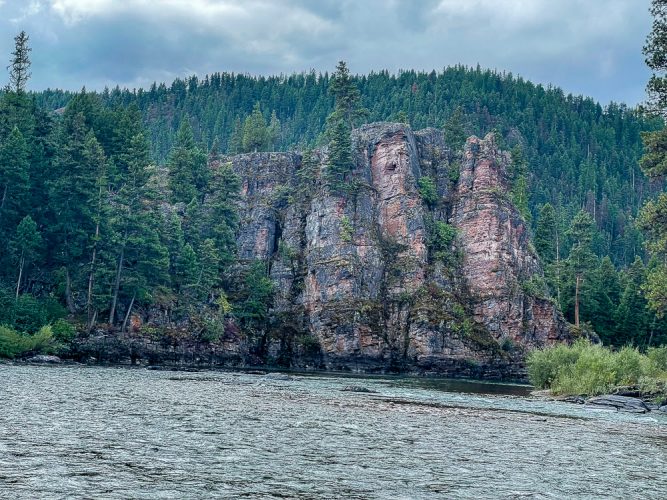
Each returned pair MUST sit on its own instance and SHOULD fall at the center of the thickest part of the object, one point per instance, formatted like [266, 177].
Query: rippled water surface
[68, 432]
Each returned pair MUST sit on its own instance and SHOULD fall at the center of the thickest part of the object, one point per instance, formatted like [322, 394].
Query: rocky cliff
[419, 264]
[369, 274]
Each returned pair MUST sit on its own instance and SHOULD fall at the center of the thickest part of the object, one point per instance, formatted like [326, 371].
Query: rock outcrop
[360, 271]
[419, 263]
[498, 261]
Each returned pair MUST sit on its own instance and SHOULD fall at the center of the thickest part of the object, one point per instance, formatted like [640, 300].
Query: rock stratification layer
[366, 278]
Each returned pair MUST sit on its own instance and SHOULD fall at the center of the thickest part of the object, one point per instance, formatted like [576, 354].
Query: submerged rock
[621, 403]
[356, 388]
[278, 376]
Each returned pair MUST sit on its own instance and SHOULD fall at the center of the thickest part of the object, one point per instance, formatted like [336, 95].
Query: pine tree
[75, 198]
[142, 261]
[221, 214]
[14, 180]
[581, 262]
[96, 161]
[20, 66]
[546, 234]
[236, 140]
[257, 295]
[186, 272]
[347, 97]
[339, 162]
[607, 293]
[255, 132]
[26, 247]
[274, 131]
[187, 164]
[632, 319]
[519, 180]
[209, 262]
[454, 130]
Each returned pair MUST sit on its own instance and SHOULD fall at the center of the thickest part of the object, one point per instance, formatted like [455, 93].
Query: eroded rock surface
[498, 260]
[373, 277]
[355, 272]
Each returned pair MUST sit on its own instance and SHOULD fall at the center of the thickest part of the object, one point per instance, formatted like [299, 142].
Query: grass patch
[587, 369]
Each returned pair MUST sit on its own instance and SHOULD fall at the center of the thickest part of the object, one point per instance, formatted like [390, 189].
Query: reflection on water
[72, 432]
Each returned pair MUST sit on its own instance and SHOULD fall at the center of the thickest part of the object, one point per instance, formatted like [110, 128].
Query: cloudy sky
[590, 47]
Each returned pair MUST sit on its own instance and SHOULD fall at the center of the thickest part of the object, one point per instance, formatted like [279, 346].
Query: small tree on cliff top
[347, 112]
[348, 99]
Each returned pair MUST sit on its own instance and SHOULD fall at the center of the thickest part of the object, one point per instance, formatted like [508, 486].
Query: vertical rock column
[497, 256]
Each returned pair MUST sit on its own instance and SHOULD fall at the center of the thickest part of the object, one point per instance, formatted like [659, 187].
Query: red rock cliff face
[356, 274]
[497, 256]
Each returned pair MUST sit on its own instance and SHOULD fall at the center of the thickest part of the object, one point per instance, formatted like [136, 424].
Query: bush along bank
[626, 379]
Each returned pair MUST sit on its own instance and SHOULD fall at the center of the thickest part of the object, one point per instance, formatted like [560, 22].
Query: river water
[83, 432]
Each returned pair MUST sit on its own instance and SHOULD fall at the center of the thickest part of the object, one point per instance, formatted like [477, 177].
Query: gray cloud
[591, 47]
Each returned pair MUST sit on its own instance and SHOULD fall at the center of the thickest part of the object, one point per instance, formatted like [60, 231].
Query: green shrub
[440, 240]
[346, 230]
[428, 190]
[213, 331]
[544, 365]
[592, 373]
[584, 368]
[658, 355]
[630, 365]
[28, 313]
[536, 287]
[13, 343]
[63, 330]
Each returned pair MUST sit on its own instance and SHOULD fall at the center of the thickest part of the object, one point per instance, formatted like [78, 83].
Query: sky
[589, 47]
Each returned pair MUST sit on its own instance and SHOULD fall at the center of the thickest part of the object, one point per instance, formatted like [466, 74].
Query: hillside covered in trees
[578, 153]
[110, 204]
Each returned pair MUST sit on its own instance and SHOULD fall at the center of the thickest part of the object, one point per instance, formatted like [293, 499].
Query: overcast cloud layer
[590, 47]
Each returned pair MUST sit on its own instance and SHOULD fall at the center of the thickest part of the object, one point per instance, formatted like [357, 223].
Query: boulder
[44, 358]
[620, 403]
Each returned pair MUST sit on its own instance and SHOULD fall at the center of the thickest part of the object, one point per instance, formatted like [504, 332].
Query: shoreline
[451, 384]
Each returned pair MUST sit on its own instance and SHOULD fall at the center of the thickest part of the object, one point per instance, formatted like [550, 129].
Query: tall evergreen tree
[14, 181]
[20, 66]
[187, 164]
[274, 131]
[255, 132]
[632, 319]
[581, 263]
[454, 130]
[606, 295]
[546, 234]
[347, 97]
[142, 261]
[74, 197]
[26, 247]
[340, 161]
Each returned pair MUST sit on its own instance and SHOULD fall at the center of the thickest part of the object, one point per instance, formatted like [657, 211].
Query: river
[86, 432]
